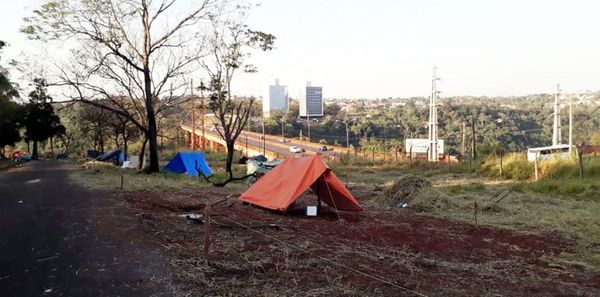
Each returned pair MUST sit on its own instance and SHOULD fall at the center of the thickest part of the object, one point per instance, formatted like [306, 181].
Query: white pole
[556, 137]
[571, 127]
[433, 123]
[347, 136]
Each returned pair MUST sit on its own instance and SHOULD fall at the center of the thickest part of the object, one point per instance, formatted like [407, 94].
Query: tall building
[277, 99]
[312, 103]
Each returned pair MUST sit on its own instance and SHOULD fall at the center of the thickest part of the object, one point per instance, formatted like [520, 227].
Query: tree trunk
[101, 143]
[142, 153]
[52, 146]
[34, 154]
[125, 146]
[151, 135]
[230, 151]
[28, 146]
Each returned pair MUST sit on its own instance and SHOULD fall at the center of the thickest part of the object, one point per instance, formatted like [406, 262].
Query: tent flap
[280, 187]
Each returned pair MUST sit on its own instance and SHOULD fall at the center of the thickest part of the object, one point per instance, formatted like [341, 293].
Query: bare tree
[228, 45]
[126, 49]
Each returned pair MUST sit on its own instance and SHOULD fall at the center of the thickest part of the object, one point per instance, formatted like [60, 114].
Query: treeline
[32, 120]
[495, 125]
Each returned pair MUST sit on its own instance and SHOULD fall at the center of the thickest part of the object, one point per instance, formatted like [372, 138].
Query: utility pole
[433, 122]
[464, 139]
[193, 114]
[473, 152]
[263, 135]
[301, 147]
[203, 113]
[282, 127]
[571, 127]
[556, 137]
[347, 136]
[308, 122]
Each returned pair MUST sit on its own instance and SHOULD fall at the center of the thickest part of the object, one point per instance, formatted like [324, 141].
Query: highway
[274, 144]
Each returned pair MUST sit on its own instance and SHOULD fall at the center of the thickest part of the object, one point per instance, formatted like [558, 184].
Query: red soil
[433, 256]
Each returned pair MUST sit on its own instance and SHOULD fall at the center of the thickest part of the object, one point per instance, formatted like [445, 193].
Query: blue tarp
[93, 154]
[116, 156]
[187, 162]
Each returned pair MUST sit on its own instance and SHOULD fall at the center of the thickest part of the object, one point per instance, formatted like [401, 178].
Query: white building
[277, 99]
[311, 105]
[418, 146]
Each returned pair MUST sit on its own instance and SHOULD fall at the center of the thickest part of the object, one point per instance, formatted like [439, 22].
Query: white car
[295, 149]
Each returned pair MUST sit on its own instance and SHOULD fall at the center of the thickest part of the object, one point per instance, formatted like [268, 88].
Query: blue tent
[188, 162]
[116, 156]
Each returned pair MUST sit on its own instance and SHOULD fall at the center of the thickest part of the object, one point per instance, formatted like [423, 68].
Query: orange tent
[280, 187]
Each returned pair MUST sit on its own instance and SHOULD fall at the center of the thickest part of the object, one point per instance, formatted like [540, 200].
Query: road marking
[33, 181]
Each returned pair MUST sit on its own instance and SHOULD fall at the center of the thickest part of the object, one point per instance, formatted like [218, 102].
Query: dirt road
[58, 239]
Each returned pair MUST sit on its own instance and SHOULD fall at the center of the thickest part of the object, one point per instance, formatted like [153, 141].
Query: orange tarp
[281, 186]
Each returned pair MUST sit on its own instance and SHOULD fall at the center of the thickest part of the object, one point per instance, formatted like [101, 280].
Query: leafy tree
[9, 123]
[228, 46]
[138, 49]
[39, 119]
[332, 109]
[9, 110]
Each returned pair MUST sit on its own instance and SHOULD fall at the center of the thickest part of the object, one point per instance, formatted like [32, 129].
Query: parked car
[295, 149]
[323, 148]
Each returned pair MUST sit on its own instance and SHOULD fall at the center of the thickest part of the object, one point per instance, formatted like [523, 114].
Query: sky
[387, 48]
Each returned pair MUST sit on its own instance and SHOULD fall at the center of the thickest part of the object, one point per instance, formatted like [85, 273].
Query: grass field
[570, 204]
[4, 164]
[466, 231]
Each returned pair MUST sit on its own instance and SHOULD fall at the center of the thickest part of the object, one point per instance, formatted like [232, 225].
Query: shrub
[514, 166]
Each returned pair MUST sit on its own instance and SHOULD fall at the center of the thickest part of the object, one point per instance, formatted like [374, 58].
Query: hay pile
[417, 193]
[404, 189]
[96, 164]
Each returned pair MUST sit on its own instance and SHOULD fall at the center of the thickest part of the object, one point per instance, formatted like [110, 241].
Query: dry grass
[102, 175]
[571, 206]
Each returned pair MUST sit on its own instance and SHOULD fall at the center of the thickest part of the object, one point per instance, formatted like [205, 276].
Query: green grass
[516, 166]
[5, 164]
[106, 176]
[578, 189]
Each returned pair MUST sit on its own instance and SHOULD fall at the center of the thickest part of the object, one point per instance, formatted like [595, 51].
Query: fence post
[535, 164]
[501, 169]
[580, 155]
